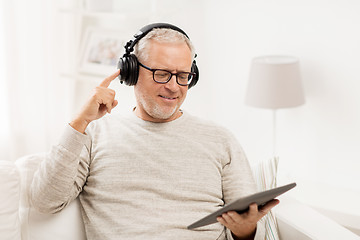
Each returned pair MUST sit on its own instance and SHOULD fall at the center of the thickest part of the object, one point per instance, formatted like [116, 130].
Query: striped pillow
[265, 178]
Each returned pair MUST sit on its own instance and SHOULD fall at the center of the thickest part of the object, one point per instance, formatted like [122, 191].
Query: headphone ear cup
[133, 70]
[195, 70]
[129, 69]
[124, 69]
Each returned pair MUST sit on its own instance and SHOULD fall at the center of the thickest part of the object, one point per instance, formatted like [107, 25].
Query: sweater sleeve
[238, 180]
[62, 174]
[237, 177]
[260, 232]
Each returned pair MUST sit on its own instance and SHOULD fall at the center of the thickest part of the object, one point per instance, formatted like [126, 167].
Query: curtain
[34, 92]
[4, 120]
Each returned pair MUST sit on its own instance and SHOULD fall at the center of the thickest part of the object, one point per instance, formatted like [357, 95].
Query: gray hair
[162, 35]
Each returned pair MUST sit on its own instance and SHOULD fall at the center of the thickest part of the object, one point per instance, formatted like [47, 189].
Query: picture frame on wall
[101, 50]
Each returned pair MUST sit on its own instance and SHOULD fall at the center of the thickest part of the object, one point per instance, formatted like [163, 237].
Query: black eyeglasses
[164, 76]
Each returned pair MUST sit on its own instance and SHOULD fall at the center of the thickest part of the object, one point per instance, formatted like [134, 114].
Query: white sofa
[18, 220]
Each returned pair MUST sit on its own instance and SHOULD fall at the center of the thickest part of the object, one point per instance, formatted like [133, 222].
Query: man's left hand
[243, 226]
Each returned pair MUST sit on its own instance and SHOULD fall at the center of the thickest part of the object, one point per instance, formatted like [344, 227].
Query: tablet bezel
[242, 204]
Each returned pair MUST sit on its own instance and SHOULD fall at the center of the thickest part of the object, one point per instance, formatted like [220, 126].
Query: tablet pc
[242, 204]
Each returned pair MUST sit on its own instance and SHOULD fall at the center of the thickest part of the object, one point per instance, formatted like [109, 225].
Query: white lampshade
[274, 83]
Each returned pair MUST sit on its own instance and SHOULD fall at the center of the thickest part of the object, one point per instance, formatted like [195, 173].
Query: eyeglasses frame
[171, 75]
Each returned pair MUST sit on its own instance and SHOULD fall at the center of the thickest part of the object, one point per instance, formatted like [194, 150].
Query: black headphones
[129, 65]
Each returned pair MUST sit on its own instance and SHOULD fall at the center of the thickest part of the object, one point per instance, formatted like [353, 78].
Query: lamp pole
[276, 159]
[274, 132]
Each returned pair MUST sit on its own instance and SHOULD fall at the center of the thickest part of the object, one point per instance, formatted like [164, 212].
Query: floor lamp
[274, 83]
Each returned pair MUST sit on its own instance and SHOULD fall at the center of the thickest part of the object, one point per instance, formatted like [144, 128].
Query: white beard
[154, 110]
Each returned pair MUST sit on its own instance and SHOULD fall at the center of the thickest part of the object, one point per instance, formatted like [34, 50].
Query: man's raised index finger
[106, 82]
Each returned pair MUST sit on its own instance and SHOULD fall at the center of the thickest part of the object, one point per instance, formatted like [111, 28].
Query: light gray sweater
[143, 180]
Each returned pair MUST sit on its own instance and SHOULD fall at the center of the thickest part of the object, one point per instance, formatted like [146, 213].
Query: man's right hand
[102, 101]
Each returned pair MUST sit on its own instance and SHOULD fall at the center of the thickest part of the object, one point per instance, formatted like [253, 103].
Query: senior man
[150, 173]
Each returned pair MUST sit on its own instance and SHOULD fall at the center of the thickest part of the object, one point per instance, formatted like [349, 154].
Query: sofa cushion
[9, 199]
[66, 224]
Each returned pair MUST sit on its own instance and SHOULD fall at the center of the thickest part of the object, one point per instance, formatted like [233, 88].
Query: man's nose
[172, 84]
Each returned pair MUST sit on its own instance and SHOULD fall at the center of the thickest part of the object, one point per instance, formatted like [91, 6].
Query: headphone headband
[129, 47]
